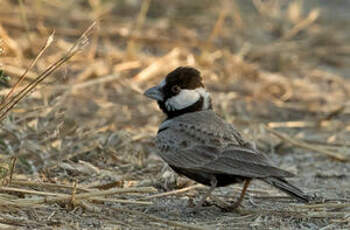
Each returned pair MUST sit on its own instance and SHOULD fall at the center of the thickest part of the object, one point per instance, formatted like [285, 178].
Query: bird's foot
[226, 207]
[193, 209]
[230, 208]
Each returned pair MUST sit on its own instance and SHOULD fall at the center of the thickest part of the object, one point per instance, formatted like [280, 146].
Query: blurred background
[280, 64]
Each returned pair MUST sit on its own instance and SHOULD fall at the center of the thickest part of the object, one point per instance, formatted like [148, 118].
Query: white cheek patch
[206, 97]
[188, 97]
[184, 99]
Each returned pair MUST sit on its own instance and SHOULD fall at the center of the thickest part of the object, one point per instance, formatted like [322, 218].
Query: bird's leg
[244, 190]
[213, 183]
[231, 207]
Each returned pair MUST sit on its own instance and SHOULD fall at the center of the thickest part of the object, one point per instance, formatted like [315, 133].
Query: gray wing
[208, 125]
[206, 143]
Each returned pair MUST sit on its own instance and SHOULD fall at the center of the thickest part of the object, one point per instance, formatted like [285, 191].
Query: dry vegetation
[78, 153]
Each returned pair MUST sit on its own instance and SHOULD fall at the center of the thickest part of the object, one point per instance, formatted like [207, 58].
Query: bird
[197, 143]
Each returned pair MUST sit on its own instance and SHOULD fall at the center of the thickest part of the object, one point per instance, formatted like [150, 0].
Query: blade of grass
[47, 44]
[77, 46]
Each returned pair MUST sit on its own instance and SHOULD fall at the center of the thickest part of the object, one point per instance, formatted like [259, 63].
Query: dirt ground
[78, 152]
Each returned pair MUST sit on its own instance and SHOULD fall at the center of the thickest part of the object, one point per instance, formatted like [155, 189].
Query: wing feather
[211, 149]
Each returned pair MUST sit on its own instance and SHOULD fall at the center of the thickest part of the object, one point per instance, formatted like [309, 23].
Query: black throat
[198, 106]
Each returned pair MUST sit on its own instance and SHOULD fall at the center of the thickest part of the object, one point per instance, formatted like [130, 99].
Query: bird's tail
[288, 188]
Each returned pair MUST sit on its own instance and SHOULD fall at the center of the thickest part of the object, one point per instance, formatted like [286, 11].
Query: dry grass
[77, 151]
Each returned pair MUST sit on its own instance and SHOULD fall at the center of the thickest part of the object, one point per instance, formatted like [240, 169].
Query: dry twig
[77, 46]
[303, 145]
[59, 197]
[175, 192]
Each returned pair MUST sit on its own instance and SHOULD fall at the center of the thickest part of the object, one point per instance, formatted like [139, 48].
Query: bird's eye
[175, 89]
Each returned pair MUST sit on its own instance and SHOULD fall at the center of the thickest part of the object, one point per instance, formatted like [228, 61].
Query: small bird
[195, 142]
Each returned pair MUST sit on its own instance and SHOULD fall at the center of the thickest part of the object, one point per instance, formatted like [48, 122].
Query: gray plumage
[201, 145]
[203, 141]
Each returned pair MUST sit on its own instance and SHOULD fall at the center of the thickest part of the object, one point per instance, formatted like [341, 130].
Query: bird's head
[182, 91]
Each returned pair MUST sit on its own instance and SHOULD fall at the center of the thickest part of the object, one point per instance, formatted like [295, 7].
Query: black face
[180, 81]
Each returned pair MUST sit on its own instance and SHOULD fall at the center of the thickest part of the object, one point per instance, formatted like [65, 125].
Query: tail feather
[288, 188]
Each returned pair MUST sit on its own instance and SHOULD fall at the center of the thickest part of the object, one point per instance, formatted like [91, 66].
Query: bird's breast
[188, 136]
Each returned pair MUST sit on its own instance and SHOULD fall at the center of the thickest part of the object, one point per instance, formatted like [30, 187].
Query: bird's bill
[155, 93]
